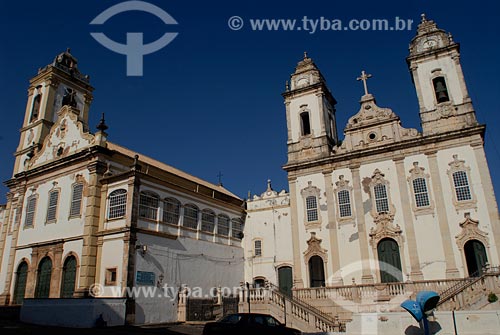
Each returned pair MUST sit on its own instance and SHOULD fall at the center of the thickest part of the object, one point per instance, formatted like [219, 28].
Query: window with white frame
[381, 200]
[461, 183]
[149, 204]
[171, 211]
[257, 248]
[237, 228]
[344, 198]
[117, 204]
[52, 207]
[76, 200]
[312, 208]
[207, 221]
[190, 219]
[420, 192]
[223, 225]
[30, 211]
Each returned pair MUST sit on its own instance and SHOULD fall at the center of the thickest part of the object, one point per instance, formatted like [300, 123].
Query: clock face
[429, 43]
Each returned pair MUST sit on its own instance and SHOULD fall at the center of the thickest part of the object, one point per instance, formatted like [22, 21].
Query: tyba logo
[135, 48]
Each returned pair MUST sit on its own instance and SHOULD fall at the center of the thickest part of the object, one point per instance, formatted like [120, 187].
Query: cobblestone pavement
[8, 327]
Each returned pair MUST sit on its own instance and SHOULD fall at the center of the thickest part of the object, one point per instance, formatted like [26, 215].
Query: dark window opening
[440, 89]
[306, 125]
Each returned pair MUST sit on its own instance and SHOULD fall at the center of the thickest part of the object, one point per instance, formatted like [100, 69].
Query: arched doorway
[316, 272]
[475, 256]
[43, 279]
[20, 286]
[259, 282]
[285, 280]
[68, 277]
[389, 261]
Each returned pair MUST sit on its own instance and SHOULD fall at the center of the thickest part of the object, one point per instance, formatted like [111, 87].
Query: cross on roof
[219, 175]
[364, 77]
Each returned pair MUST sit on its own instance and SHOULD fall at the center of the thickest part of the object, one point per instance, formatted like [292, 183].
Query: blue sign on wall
[145, 278]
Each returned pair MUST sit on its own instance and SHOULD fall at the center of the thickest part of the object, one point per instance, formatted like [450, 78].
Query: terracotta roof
[170, 169]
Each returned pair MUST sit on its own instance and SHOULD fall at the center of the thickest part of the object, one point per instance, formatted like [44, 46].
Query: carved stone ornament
[471, 231]
[314, 248]
[370, 113]
[385, 228]
[446, 110]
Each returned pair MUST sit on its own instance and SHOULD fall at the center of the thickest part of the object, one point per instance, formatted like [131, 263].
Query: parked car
[248, 324]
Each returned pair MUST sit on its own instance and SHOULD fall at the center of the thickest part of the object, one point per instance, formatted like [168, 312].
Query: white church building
[383, 205]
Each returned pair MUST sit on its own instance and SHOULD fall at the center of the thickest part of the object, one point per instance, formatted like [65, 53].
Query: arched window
[440, 89]
[76, 200]
[52, 207]
[20, 286]
[223, 225]
[30, 211]
[381, 201]
[312, 208]
[257, 248]
[420, 192]
[149, 203]
[461, 183]
[117, 204]
[259, 282]
[316, 272]
[190, 217]
[389, 261]
[207, 221]
[42, 289]
[237, 226]
[171, 211]
[305, 123]
[68, 277]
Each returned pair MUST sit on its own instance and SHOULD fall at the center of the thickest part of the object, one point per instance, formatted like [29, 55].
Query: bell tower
[434, 64]
[310, 114]
[56, 85]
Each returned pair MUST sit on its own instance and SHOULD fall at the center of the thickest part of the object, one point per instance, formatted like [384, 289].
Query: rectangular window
[171, 211]
[237, 231]
[461, 183]
[381, 201]
[190, 217]
[30, 212]
[420, 191]
[148, 206]
[257, 249]
[76, 200]
[312, 209]
[207, 222]
[110, 277]
[344, 203]
[52, 209]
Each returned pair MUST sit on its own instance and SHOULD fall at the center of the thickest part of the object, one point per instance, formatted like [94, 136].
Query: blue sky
[211, 100]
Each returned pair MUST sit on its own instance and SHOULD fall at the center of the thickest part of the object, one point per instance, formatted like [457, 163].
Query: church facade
[385, 203]
[86, 217]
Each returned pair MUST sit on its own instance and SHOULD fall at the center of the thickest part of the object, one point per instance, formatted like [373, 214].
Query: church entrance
[475, 256]
[43, 279]
[285, 280]
[68, 278]
[20, 287]
[389, 261]
[316, 272]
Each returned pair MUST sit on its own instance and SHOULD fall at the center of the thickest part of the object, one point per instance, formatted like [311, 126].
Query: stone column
[298, 282]
[91, 227]
[489, 194]
[444, 229]
[5, 296]
[130, 241]
[332, 226]
[415, 271]
[55, 276]
[366, 275]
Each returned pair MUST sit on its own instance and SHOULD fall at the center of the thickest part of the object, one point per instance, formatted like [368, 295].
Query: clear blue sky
[210, 101]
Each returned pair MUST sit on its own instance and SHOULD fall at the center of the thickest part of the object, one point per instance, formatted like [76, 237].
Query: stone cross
[364, 77]
[219, 175]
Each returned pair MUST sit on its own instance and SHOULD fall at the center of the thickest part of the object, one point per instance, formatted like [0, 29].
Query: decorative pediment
[370, 113]
[66, 137]
[471, 231]
[417, 171]
[314, 248]
[378, 177]
[384, 228]
[342, 183]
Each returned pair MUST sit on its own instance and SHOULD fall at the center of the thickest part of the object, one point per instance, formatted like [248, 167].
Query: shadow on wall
[434, 328]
